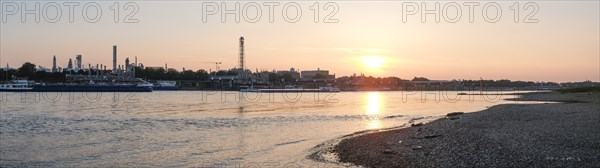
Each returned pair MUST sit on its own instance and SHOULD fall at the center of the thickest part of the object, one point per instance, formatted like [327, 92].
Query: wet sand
[563, 134]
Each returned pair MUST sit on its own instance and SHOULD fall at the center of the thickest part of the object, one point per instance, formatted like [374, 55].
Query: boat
[165, 85]
[29, 86]
[297, 89]
[17, 85]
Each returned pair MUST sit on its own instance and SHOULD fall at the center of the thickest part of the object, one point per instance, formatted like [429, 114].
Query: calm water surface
[191, 129]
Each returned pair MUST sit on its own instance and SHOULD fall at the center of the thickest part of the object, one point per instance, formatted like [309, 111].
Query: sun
[373, 62]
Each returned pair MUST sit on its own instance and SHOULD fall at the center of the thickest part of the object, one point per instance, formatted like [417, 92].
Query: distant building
[262, 76]
[316, 74]
[295, 74]
[42, 69]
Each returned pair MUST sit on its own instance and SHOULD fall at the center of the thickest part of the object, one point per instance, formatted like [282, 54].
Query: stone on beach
[454, 114]
[416, 124]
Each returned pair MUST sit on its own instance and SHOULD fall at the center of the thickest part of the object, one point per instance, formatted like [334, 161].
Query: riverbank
[563, 134]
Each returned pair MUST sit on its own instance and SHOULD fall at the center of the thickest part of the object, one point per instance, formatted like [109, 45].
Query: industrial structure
[114, 59]
[243, 74]
[242, 54]
[78, 61]
[54, 68]
[70, 64]
[98, 73]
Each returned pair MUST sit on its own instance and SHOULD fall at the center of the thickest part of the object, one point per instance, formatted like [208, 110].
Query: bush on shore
[580, 89]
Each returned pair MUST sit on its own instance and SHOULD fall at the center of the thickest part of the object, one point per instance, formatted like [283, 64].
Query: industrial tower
[242, 68]
[79, 60]
[54, 69]
[114, 71]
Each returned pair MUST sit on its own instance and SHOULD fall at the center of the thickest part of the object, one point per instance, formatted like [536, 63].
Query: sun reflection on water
[373, 108]
[374, 124]
[373, 104]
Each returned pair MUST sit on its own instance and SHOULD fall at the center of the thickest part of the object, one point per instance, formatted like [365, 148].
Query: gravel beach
[565, 134]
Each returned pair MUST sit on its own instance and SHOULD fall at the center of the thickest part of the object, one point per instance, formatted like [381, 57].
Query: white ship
[165, 85]
[16, 85]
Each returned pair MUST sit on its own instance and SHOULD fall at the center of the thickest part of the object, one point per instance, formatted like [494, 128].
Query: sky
[562, 43]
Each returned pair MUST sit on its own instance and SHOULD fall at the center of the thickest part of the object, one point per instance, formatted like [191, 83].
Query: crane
[216, 65]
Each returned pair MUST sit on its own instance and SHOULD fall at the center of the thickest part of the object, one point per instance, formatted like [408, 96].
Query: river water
[202, 128]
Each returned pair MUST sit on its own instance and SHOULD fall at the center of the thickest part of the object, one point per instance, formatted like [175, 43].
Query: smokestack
[242, 68]
[54, 64]
[114, 58]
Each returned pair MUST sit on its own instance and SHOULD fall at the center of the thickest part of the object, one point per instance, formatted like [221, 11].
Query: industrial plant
[165, 78]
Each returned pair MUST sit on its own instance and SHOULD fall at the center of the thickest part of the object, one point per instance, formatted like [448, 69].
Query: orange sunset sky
[369, 38]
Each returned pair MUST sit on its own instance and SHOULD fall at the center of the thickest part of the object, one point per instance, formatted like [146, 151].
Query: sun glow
[373, 62]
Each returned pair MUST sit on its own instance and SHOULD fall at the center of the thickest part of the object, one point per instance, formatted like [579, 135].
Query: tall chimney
[242, 68]
[54, 69]
[114, 58]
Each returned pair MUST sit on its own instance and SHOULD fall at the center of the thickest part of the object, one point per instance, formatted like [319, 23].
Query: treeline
[40, 76]
[28, 70]
[395, 81]
[506, 83]
[173, 74]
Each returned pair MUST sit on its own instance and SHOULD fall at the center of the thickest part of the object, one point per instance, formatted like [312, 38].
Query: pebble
[388, 151]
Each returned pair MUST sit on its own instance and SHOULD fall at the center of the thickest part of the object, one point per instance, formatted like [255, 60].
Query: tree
[232, 73]
[140, 73]
[188, 75]
[155, 73]
[7, 74]
[172, 74]
[27, 70]
[420, 79]
[221, 73]
[287, 77]
[273, 77]
[202, 74]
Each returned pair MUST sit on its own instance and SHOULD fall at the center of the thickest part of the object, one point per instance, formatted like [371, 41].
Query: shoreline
[564, 134]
